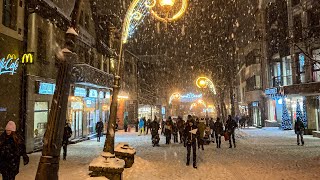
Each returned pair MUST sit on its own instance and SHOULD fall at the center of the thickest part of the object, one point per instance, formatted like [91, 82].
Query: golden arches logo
[11, 56]
[27, 59]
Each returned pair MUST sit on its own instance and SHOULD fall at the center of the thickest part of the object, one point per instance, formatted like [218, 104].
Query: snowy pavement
[260, 154]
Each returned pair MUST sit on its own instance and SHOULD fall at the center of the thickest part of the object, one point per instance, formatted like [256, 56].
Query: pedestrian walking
[144, 124]
[299, 130]
[154, 128]
[218, 131]
[125, 124]
[201, 129]
[231, 125]
[99, 129]
[175, 133]
[168, 131]
[141, 126]
[191, 133]
[66, 135]
[12, 147]
[148, 125]
[181, 126]
[137, 125]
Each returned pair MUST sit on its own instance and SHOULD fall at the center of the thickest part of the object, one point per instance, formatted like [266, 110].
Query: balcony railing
[281, 81]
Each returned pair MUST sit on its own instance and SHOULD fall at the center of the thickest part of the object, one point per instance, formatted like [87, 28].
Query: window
[316, 66]
[81, 19]
[86, 23]
[42, 47]
[301, 68]
[297, 30]
[295, 2]
[9, 15]
[253, 83]
[282, 72]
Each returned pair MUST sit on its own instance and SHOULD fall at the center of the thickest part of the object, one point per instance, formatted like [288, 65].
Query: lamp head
[166, 3]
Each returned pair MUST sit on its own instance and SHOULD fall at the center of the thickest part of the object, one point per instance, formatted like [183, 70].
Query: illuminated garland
[139, 9]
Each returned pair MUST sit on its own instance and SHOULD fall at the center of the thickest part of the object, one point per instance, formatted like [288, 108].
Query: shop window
[41, 114]
[9, 14]
[316, 65]
[302, 68]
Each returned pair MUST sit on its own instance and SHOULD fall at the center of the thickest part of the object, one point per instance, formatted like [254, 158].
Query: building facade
[34, 34]
[12, 29]
[287, 63]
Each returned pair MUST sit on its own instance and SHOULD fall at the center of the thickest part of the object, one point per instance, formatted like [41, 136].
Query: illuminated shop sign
[190, 97]
[93, 93]
[9, 65]
[271, 91]
[82, 92]
[27, 59]
[46, 88]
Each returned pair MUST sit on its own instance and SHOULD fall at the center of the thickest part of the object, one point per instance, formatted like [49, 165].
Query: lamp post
[134, 14]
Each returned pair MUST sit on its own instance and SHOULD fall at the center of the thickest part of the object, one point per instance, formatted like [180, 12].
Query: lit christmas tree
[304, 117]
[286, 123]
[298, 111]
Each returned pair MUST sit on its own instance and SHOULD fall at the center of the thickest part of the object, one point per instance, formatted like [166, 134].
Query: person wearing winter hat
[11, 148]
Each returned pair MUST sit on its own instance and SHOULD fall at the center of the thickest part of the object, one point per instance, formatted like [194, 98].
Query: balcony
[281, 81]
[87, 75]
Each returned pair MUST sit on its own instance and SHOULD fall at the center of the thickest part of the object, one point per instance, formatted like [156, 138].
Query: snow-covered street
[260, 154]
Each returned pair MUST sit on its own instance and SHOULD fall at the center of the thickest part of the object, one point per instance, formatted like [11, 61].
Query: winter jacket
[10, 154]
[299, 126]
[167, 129]
[66, 135]
[188, 135]
[218, 128]
[202, 128]
[175, 129]
[231, 125]
[154, 126]
[141, 123]
[99, 127]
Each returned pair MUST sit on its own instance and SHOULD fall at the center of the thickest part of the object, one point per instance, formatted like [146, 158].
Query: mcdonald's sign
[12, 56]
[27, 58]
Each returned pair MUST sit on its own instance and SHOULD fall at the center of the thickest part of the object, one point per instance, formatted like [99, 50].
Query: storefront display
[41, 114]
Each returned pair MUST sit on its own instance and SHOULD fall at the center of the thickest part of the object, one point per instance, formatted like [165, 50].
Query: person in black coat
[66, 135]
[99, 129]
[175, 133]
[231, 125]
[218, 131]
[12, 147]
[191, 141]
[299, 130]
[154, 128]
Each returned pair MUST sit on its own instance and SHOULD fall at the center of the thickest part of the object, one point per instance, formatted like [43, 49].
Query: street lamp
[137, 11]
[204, 82]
